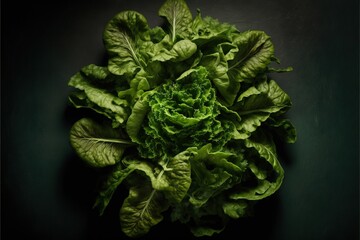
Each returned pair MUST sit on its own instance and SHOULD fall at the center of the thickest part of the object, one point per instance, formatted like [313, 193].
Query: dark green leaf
[142, 208]
[99, 99]
[258, 103]
[178, 17]
[122, 36]
[255, 53]
[267, 170]
[98, 145]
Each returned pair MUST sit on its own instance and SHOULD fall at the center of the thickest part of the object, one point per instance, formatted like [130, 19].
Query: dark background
[47, 193]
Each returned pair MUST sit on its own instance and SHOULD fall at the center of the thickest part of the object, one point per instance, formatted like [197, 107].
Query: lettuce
[188, 116]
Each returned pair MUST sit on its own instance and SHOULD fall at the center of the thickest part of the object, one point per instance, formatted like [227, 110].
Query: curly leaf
[212, 172]
[267, 170]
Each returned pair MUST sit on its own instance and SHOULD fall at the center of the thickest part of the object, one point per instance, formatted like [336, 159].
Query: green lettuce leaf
[142, 209]
[264, 166]
[188, 119]
[98, 145]
[109, 186]
[217, 66]
[148, 199]
[255, 52]
[175, 178]
[137, 116]
[180, 51]
[284, 129]
[212, 173]
[178, 17]
[236, 208]
[123, 35]
[181, 114]
[209, 30]
[101, 100]
[258, 103]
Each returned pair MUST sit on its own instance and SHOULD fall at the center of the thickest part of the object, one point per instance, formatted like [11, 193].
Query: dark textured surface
[47, 193]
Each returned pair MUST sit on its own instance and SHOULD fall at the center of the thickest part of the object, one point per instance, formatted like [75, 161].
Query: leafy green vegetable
[178, 17]
[189, 119]
[99, 145]
[141, 209]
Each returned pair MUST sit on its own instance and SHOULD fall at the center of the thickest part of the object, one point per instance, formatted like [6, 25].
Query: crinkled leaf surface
[97, 98]
[122, 36]
[212, 172]
[142, 208]
[98, 145]
[176, 175]
[257, 103]
[284, 129]
[193, 100]
[206, 30]
[255, 53]
[269, 174]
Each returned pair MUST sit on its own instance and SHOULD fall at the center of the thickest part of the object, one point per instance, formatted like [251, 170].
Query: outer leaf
[284, 129]
[272, 99]
[201, 231]
[236, 209]
[208, 29]
[121, 37]
[255, 53]
[98, 99]
[123, 29]
[256, 104]
[177, 177]
[98, 145]
[178, 16]
[116, 177]
[142, 208]
[268, 182]
[98, 75]
[212, 173]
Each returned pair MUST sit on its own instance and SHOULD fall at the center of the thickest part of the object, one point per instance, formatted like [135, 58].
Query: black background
[47, 193]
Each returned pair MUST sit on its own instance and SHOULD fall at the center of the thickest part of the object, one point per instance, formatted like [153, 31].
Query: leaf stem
[109, 140]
